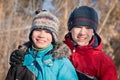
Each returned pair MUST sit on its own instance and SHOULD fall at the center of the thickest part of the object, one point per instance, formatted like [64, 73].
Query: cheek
[90, 33]
[74, 36]
[74, 32]
[35, 33]
[34, 36]
[49, 37]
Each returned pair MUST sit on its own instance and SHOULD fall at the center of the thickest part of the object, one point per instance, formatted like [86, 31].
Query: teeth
[81, 38]
[40, 40]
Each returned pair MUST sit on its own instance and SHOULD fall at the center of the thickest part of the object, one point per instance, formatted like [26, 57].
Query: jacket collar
[95, 43]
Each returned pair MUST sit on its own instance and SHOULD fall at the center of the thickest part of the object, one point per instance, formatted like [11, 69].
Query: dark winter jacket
[43, 66]
[91, 60]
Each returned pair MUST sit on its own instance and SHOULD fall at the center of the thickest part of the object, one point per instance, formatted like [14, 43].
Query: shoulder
[106, 58]
[64, 62]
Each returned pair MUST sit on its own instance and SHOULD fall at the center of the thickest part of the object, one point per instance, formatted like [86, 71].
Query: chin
[82, 43]
[39, 46]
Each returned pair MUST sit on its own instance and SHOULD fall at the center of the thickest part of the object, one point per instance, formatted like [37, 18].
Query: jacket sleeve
[107, 69]
[67, 71]
[11, 73]
[19, 73]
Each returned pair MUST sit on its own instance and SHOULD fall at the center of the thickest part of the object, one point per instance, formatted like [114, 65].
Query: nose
[83, 30]
[41, 33]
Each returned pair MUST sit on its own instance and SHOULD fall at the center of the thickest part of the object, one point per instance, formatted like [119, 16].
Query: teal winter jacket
[44, 67]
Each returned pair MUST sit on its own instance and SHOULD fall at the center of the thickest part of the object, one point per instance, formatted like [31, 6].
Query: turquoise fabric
[45, 68]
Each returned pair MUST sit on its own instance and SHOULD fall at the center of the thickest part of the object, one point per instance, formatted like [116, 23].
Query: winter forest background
[16, 17]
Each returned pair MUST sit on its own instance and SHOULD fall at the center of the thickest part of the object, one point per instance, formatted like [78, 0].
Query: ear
[93, 33]
[69, 31]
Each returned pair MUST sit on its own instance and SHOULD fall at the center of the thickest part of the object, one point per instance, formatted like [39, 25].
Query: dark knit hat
[46, 21]
[83, 16]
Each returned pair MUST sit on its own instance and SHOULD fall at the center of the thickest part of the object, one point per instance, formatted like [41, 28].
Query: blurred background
[16, 17]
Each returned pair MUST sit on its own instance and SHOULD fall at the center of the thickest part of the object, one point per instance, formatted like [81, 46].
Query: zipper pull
[74, 49]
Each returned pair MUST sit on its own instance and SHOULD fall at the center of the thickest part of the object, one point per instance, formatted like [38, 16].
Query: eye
[38, 30]
[47, 31]
[78, 26]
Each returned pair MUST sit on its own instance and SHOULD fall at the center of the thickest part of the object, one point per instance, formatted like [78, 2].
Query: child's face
[82, 35]
[41, 38]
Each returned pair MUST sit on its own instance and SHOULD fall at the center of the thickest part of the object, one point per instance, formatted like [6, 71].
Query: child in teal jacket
[45, 68]
[39, 62]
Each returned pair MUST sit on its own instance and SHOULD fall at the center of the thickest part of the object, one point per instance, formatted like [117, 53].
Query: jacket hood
[59, 50]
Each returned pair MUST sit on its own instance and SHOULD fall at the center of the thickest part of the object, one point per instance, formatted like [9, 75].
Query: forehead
[82, 27]
[45, 30]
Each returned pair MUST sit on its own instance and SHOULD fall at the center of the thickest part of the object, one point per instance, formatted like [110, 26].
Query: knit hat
[46, 21]
[83, 16]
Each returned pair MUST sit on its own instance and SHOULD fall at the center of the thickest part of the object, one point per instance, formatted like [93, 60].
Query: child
[39, 63]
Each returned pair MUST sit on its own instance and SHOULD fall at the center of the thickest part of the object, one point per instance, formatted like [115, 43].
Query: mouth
[81, 37]
[40, 40]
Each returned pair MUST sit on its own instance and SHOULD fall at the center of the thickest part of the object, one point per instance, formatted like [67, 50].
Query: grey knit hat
[47, 21]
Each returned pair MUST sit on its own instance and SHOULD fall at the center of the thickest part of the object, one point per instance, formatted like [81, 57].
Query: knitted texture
[83, 16]
[47, 21]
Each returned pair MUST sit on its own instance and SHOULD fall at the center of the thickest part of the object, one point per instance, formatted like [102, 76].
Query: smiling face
[41, 38]
[82, 34]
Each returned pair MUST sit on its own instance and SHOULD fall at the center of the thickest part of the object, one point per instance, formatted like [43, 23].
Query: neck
[39, 49]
